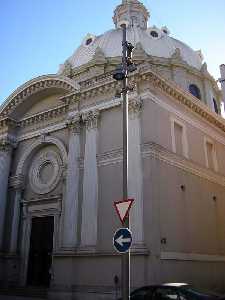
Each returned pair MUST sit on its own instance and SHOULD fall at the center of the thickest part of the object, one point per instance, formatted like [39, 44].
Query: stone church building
[61, 168]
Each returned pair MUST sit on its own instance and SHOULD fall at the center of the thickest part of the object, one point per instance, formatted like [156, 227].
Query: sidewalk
[4, 297]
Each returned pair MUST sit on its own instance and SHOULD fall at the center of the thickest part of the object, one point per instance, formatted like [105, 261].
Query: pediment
[37, 95]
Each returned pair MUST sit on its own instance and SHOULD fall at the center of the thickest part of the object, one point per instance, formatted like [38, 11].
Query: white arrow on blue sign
[122, 240]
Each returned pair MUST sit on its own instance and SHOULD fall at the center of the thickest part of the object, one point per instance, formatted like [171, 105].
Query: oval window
[89, 41]
[154, 34]
[195, 91]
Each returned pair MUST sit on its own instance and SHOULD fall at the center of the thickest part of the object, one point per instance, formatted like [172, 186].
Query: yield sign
[123, 208]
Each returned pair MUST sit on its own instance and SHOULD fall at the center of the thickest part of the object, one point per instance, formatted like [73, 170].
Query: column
[135, 173]
[17, 184]
[25, 242]
[5, 162]
[90, 183]
[70, 231]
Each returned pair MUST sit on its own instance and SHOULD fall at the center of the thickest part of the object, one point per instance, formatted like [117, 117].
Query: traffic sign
[123, 208]
[122, 240]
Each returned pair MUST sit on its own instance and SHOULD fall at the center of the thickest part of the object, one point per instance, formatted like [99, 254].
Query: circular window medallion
[45, 172]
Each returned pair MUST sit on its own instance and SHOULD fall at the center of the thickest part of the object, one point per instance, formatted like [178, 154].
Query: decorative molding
[90, 119]
[185, 117]
[67, 69]
[74, 123]
[158, 152]
[104, 84]
[45, 158]
[7, 143]
[91, 253]
[7, 123]
[207, 140]
[36, 145]
[16, 182]
[43, 116]
[184, 136]
[191, 257]
[32, 134]
[41, 198]
[32, 87]
[135, 106]
[182, 96]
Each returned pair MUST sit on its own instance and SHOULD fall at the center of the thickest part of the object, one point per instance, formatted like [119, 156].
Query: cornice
[32, 87]
[158, 152]
[173, 91]
[44, 116]
[104, 84]
[6, 124]
[141, 57]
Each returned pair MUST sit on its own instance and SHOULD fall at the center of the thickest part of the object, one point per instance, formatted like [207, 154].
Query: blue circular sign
[122, 240]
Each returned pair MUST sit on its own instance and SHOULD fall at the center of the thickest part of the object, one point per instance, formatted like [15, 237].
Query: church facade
[61, 168]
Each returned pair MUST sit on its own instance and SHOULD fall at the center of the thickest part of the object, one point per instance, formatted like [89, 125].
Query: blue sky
[38, 35]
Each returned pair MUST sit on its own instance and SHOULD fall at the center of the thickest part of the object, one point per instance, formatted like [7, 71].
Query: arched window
[195, 91]
[215, 106]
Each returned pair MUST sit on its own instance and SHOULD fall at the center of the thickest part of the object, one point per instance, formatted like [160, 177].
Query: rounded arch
[44, 139]
[33, 86]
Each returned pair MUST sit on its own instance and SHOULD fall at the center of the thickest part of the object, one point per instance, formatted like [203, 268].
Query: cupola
[132, 13]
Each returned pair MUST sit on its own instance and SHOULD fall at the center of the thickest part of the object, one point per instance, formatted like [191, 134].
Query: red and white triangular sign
[123, 208]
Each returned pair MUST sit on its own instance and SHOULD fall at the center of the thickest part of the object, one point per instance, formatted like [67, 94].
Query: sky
[36, 36]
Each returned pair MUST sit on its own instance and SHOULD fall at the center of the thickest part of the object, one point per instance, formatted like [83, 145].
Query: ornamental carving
[45, 172]
[67, 71]
[73, 123]
[90, 119]
[33, 88]
[17, 182]
[7, 144]
[135, 106]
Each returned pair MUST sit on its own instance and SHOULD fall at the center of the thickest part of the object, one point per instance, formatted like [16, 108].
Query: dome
[154, 41]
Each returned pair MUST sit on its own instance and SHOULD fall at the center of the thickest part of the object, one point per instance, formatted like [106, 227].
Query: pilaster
[135, 175]
[90, 182]
[6, 147]
[17, 183]
[70, 226]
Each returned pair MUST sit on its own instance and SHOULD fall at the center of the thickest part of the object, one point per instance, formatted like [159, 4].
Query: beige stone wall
[110, 130]
[44, 103]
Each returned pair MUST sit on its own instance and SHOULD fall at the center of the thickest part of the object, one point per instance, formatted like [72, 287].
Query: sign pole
[125, 266]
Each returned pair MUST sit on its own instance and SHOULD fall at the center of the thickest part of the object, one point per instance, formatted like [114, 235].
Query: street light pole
[125, 266]
[121, 74]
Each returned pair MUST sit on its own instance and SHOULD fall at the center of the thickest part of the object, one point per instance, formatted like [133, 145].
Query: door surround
[45, 207]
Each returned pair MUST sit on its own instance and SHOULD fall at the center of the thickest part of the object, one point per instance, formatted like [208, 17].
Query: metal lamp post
[120, 74]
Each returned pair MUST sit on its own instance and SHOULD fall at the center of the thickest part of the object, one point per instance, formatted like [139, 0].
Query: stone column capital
[7, 144]
[90, 118]
[135, 106]
[73, 123]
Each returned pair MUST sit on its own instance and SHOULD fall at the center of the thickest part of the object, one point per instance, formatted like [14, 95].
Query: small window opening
[194, 90]
[154, 34]
[89, 41]
[215, 106]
